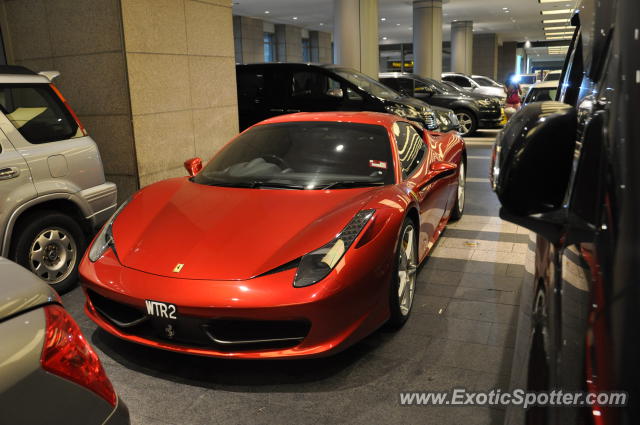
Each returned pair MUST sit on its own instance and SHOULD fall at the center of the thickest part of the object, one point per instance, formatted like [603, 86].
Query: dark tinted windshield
[368, 84]
[304, 155]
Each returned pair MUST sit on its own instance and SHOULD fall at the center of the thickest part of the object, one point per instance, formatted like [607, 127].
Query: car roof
[455, 73]
[375, 118]
[21, 290]
[546, 85]
[15, 74]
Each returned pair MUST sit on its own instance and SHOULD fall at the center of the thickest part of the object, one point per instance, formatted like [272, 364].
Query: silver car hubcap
[466, 122]
[53, 254]
[407, 267]
[461, 182]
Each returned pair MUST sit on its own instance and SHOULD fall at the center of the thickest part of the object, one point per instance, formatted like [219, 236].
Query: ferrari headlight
[317, 264]
[104, 240]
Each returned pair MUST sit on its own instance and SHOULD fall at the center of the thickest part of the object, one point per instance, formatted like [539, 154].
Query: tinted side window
[403, 85]
[251, 87]
[37, 113]
[461, 81]
[411, 147]
[314, 85]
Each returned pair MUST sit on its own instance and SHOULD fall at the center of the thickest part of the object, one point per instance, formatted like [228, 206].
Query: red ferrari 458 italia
[300, 237]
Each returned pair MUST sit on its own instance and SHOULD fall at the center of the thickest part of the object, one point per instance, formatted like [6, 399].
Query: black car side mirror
[531, 166]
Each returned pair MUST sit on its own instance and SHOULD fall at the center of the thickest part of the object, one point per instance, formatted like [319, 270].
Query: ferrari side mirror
[193, 166]
[442, 166]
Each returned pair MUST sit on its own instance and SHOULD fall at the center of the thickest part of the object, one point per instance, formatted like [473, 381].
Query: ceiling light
[558, 28]
[555, 21]
[505, 8]
[556, 11]
[322, 24]
[295, 18]
[267, 12]
[397, 25]
[550, 1]
[384, 38]
[558, 33]
[527, 44]
[383, 19]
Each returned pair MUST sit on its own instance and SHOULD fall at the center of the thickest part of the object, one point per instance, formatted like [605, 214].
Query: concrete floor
[460, 334]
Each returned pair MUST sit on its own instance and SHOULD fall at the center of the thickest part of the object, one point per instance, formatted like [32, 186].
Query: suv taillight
[73, 114]
[67, 354]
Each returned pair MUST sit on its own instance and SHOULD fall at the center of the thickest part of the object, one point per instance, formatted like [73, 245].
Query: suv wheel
[468, 122]
[50, 244]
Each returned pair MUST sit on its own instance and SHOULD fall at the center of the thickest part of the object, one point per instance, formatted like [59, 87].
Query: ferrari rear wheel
[403, 286]
[458, 207]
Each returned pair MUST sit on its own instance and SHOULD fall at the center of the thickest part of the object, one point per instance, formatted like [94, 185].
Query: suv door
[315, 90]
[259, 94]
[16, 186]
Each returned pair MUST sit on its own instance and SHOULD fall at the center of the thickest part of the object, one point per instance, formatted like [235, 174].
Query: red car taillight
[67, 354]
[73, 114]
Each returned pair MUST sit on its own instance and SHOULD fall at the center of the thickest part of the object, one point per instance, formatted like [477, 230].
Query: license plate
[162, 310]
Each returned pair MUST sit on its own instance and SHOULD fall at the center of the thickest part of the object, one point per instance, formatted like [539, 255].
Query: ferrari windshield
[304, 155]
[368, 84]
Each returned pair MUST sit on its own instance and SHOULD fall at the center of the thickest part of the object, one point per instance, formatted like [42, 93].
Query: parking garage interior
[156, 82]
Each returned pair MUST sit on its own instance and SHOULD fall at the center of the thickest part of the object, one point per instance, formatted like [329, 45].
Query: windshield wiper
[276, 185]
[351, 183]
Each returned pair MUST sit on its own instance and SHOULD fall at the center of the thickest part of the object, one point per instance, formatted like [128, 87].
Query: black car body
[270, 89]
[569, 172]
[474, 111]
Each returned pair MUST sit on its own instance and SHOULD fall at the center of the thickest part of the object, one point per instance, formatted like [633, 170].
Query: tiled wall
[248, 39]
[180, 65]
[81, 39]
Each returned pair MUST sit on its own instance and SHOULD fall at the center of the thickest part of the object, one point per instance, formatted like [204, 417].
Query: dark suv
[568, 171]
[270, 89]
[474, 111]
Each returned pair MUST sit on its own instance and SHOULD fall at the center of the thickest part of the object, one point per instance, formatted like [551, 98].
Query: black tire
[399, 314]
[468, 117]
[68, 243]
[458, 207]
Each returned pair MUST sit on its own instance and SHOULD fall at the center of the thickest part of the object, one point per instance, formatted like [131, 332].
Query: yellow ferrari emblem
[178, 267]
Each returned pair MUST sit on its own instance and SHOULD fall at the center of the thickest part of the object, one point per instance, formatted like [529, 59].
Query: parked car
[476, 83]
[446, 119]
[552, 75]
[272, 89]
[568, 171]
[473, 111]
[49, 374]
[53, 192]
[299, 238]
[541, 92]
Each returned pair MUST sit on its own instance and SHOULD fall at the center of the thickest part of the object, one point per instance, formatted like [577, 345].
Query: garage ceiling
[512, 20]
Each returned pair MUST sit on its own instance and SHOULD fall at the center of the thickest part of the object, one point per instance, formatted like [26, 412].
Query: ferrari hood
[181, 229]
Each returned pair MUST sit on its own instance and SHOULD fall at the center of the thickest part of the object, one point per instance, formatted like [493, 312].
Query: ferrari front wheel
[403, 283]
[458, 207]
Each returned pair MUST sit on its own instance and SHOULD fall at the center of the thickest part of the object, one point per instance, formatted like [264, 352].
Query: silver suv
[53, 193]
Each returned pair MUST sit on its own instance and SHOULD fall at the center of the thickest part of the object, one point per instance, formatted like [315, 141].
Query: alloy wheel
[53, 255]
[466, 122]
[407, 268]
[461, 184]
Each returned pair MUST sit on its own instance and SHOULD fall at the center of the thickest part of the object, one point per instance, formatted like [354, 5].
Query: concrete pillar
[248, 37]
[485, 55]
[320, 43]
[288, 43]
[153, 82]
[462, 46]
[355, 34]
[506, 59]
[427, 38]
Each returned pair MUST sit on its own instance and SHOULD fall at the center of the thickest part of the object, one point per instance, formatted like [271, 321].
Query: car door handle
[9, 173]
[276, 110]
